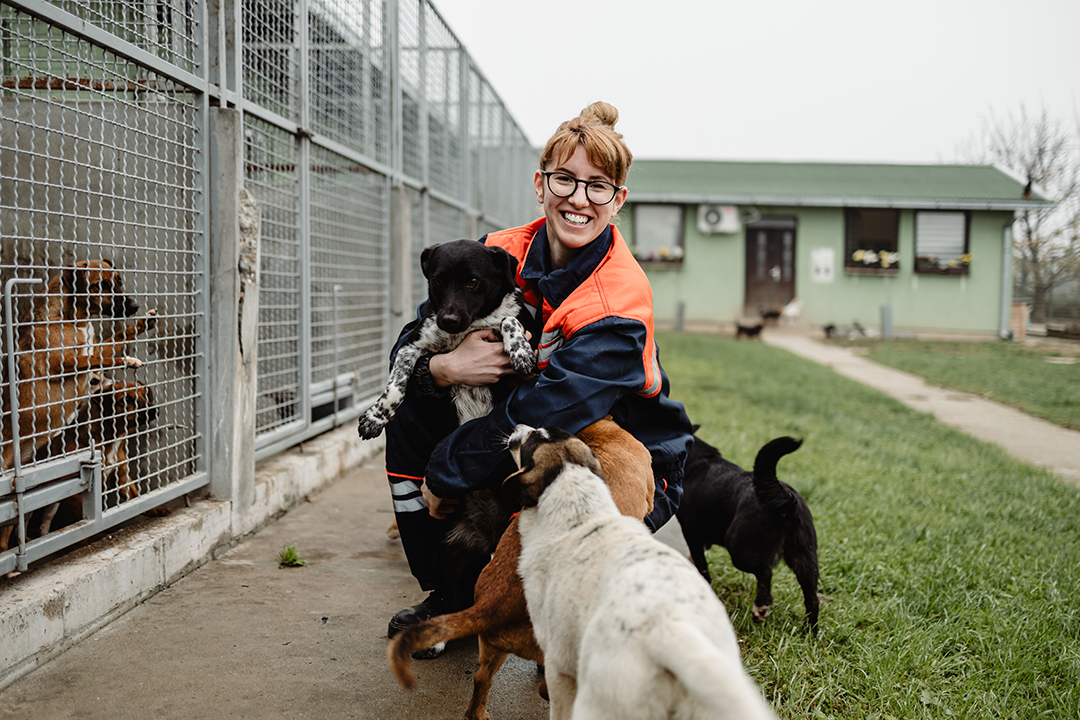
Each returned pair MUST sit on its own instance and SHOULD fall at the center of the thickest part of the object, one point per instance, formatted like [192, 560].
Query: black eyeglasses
[599, 192]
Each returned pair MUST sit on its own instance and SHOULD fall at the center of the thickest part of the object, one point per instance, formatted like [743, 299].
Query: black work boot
[437, 603]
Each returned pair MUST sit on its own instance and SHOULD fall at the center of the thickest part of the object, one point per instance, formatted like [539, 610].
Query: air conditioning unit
[717, 219]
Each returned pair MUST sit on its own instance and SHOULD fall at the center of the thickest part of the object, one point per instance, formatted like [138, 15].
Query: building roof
[967, 187]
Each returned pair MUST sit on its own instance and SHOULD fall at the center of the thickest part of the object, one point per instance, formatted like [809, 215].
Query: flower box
[872, 262]
[928, 265]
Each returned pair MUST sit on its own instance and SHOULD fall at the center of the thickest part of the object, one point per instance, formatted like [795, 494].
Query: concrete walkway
[243, 638]
[1030, 439]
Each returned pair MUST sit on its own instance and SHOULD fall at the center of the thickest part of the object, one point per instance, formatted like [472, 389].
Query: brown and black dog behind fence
[107, 420]
[498, 616]
[57, 354]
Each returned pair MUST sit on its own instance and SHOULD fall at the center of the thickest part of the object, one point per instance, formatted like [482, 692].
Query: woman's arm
[581, 383]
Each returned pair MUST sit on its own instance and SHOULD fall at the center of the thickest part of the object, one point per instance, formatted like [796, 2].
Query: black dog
[470, 287]
[758, 518]
[747, 331]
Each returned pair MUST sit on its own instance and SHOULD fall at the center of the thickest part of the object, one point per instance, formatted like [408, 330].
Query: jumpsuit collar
[556, 285]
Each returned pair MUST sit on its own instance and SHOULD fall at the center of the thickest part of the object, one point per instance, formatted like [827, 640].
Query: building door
[770, 265]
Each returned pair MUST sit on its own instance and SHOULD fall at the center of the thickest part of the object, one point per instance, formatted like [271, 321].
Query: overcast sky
[828, 80]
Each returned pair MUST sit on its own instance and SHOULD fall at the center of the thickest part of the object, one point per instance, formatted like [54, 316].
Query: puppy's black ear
[67, 280]
[506, 264]
[695, 427]
[426, 257]
[524, 486]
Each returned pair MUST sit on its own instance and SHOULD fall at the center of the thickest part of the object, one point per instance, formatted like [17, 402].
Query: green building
[928, 245]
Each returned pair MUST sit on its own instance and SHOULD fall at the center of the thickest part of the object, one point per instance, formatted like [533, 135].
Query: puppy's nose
[450, 322]
[130, 307]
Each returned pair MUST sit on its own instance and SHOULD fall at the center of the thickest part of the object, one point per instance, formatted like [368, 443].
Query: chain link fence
[104, 219]
[391, 98]
[100, 214]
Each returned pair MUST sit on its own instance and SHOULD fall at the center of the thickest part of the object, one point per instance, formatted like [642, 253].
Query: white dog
[791, 312]
[628, 627]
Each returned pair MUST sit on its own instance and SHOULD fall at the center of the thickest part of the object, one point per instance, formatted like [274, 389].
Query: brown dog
[109, 417]
[57, 358]
[498, 616]
[57, 352]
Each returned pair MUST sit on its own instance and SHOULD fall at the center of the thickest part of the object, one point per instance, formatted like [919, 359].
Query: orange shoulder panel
[617, 288]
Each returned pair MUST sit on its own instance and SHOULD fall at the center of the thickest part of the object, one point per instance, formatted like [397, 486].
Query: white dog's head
[541, 455]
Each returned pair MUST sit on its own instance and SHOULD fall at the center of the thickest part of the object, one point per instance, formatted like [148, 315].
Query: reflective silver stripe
[400, 487]
[655, 387]
[550, 341]
[407, 496]
[415, 504]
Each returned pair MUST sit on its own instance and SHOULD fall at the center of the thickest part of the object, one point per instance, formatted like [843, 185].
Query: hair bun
[602, 112]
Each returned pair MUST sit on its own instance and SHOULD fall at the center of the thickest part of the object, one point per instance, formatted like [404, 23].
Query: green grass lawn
[951, 572]
[1010, 373]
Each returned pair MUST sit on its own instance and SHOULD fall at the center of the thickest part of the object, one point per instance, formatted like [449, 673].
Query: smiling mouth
[575, 219]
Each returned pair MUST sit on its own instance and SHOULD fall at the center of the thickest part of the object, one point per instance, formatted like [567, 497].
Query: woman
[597, 357]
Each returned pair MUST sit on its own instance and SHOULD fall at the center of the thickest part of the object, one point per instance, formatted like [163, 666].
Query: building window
[871, 240]
[941, 243]
[658, 232]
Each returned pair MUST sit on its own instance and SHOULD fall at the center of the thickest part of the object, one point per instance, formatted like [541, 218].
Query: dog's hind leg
[491, 659]
[805, 568]
[47, 516]
[763, 600]
[563, 691]
[810, 599]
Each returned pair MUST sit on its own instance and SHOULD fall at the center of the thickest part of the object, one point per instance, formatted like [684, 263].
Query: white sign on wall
[822, 264]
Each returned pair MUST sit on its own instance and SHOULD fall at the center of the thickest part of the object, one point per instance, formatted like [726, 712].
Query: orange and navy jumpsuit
[597, 356]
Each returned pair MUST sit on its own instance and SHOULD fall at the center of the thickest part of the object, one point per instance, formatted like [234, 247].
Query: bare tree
[1045, 152]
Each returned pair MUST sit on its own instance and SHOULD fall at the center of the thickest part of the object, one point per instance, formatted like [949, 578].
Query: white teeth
[574, 219]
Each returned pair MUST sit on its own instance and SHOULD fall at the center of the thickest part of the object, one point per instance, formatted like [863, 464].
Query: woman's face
[573, 222]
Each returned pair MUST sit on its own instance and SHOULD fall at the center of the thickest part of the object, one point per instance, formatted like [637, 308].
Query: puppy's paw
[132, 362]
[147, 322]
[522, 357]
[370, 424]
[760, 612]
[523, 360]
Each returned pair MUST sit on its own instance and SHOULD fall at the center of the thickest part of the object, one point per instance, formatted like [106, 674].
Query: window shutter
[940, 234]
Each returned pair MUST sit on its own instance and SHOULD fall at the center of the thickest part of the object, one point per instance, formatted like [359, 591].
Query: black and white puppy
[470, 287]
[627, 626]
[758, 518]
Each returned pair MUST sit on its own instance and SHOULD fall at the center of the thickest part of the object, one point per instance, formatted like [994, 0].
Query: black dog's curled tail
[769, 490]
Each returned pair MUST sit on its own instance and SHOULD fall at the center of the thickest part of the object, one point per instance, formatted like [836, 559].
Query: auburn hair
[594, 130]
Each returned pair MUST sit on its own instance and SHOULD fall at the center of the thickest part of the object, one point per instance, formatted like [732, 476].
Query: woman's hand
[438, 508]
[479, 360]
